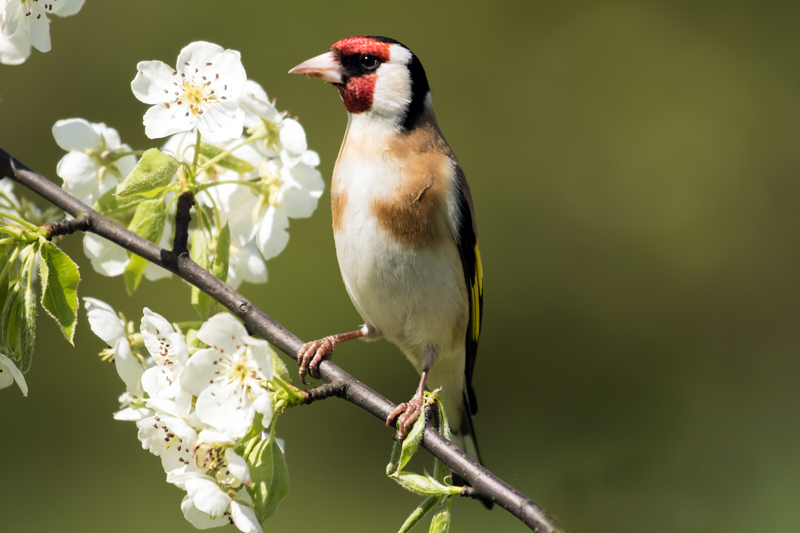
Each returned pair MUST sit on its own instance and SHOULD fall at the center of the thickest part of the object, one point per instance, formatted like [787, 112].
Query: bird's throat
[358, 93]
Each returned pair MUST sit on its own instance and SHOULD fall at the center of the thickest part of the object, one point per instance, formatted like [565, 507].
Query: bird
[405, 228]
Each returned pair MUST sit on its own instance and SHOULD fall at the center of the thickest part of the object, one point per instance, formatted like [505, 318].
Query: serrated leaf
[59, 276]
[270, 478]
[19, 321]
[202, 302]
[230, 162]
[441, 522]
[223, 254]
[111, 204]
[411, 444]
[418, 514]
[441, 470]
[423, 485]
[148, 222]
[394, 460]
[150, 176]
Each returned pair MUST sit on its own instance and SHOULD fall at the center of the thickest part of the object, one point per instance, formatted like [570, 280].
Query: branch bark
[484, 483]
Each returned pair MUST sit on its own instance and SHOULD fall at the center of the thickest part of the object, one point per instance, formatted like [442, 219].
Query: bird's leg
[313, 353]
[411, 410]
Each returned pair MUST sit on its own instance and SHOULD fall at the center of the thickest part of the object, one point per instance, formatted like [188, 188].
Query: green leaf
[148, 222]
[279, 368]
[441, 470]
[423, 485]
[394, 461]
[59, 276]
[19, 322]
[441, 522]
[111, 204]
[202, 302]
[220, 269]
[270, 478]
[230, 162]
[411, 444]
[423, 509]
[150, 176]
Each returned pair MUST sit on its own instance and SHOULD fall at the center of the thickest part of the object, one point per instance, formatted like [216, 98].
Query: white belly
[413, 297]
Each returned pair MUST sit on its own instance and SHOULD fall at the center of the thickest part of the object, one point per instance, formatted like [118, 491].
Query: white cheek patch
[393, 88]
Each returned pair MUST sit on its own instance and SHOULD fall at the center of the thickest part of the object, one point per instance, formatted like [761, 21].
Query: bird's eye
[369, 62]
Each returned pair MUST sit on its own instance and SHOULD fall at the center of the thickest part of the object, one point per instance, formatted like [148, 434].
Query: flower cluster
[25, 23]
[247, 164]
[193, 411]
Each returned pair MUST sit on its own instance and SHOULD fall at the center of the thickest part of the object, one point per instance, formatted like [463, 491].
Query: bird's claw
[411, 411]
[311, 356]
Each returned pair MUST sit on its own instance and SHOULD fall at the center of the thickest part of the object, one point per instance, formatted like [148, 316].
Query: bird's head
[377, 77]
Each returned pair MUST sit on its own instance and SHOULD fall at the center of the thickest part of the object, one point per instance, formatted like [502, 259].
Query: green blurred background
[635, 172]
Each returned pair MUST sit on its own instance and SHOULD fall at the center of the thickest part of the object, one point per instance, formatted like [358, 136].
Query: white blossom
[202, 92]
[170, 438]
[206, 505]
[227, 377]
[26, 21]
[9, 373]
[107, 325]
[169, 353]
[132, 409]
[110, 259]
[291, 192]
[93, 164]
[215, 451]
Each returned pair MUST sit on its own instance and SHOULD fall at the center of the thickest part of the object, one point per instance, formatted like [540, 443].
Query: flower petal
[153, 83]
[221, 409]
[10, 373]
[66, 8]
[237, 466]
[244, 518]
[38, 28]
[107, 258]
[303, 188]
[104, 321]
[223, 332]
[293, 137]
[196, 55]
[12, 15]
[246, 264]
[160, 121]
[200, 371]
[76, 134]
[207, 496]
[15, 50]
[272, 236]
[221, 122]
[128, 367]
[198, 518]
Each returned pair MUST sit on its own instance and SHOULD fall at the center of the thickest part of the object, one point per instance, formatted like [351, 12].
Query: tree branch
[66, 226]
[485, 484]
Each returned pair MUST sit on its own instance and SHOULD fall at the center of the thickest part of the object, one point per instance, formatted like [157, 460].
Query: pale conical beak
[326, 67]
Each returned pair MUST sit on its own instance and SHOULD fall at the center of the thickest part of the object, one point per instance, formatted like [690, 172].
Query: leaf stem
[226, 153]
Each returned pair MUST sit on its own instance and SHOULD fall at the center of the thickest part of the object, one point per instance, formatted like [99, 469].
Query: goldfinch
[404, 226]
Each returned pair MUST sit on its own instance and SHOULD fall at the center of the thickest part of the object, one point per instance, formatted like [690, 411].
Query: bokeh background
[636, 174]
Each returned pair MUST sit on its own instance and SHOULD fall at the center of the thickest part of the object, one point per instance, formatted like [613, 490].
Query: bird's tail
[465, 439]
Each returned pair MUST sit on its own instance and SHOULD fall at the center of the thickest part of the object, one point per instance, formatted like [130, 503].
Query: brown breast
[416, 213]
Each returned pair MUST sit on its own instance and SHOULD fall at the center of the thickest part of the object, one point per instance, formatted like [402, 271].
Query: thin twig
[66, 227]
[486, 484]
[323, 391]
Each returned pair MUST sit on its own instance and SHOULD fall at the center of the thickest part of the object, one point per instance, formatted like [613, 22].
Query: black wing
[473, 277]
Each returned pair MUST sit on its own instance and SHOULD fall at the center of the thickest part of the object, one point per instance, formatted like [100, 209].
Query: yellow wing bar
[477, 293]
